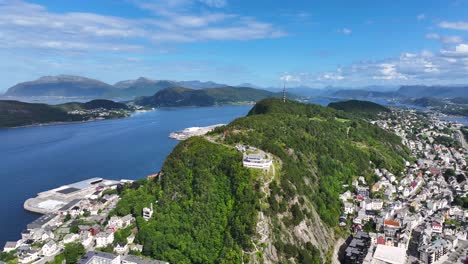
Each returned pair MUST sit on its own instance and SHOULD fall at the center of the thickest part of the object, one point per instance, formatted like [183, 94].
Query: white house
[11, 245]
[136, 247]
[148, 212]
[49, 248]
[86, 239]
[104, 238]
[348, 208]
[377, 204]
[127, 220]
[121, 248]
[28, 257]
[115, 222]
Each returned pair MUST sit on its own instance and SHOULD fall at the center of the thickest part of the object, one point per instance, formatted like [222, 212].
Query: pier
[193, 131]
[52, 201]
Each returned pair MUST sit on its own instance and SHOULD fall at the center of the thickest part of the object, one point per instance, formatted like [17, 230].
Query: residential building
[104, 238]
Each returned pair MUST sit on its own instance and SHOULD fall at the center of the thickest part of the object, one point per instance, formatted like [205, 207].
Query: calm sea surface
[35, 159]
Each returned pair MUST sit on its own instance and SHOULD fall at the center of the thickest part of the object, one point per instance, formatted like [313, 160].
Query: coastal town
[418, 216]
[415, 216]
[79, 215]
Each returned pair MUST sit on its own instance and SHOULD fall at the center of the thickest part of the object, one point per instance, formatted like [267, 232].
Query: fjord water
[35, 159]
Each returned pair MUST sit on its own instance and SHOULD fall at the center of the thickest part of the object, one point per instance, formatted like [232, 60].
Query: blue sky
[315, 43]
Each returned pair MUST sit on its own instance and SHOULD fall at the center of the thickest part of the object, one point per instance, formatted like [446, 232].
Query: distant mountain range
[181, 96]
[77, 86]
[62, 85]
[407, 91]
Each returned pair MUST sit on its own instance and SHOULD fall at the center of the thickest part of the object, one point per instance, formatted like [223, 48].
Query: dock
[193, 131]
[52, 201]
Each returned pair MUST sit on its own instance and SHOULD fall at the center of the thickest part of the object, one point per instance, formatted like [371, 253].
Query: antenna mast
[284, 92]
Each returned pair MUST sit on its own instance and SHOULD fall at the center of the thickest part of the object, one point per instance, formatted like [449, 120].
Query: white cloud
[421, 17]
[214, 3]
[460, 25]
[289, 78]
[433, 36]
[388, 71]
[460, 50]
[452, 39]
[330, 76]
[345, 31]
[25, 25]
[445, 39]
[447, 66]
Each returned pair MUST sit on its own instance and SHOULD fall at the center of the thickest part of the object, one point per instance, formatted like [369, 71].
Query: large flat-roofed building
[53, 200]
[257, 161]
[96, 257]
[389, 254]
[41, 221]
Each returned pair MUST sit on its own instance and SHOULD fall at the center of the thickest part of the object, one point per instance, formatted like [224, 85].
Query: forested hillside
[206, 206]
[180, 96]
[207, 203]
[361, 108]
[15, 113]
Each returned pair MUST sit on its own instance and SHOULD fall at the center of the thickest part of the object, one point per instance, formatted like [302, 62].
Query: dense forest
[321, 149]
[205, 206]
[206, 203]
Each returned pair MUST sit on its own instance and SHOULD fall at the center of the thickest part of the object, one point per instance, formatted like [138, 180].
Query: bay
[35, 159]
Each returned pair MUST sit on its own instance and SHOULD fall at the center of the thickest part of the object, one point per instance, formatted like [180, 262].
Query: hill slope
[206, 200]
[180, 96]
[141, 87]
[61, 85]
[15, 113]
[363, 108]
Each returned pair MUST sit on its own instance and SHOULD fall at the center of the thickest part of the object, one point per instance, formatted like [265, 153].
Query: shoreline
[131, 115]
[60, 123]
[75, 122]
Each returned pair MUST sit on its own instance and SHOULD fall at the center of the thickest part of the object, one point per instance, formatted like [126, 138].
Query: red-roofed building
[391, 223]
[436, 227]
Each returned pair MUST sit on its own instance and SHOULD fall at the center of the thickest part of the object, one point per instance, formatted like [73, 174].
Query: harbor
[66, 196]
[193, 131]
[79, 213]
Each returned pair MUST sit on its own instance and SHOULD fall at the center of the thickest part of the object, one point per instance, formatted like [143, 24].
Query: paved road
[462, 140]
